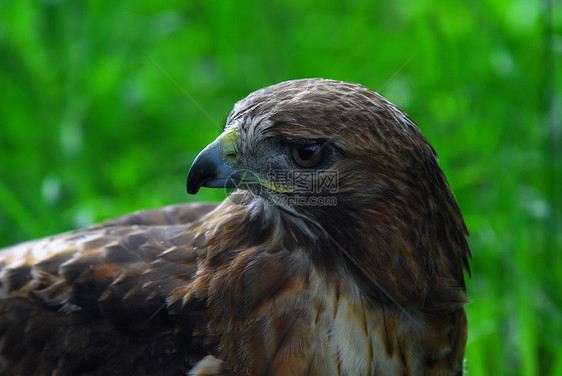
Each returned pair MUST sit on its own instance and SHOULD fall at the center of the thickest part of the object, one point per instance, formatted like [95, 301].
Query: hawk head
[334, 168]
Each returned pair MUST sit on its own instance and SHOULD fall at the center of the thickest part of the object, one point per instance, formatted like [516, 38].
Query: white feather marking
[350, 330]
[209, 365]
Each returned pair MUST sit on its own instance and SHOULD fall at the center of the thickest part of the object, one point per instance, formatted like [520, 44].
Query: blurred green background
[104, 105]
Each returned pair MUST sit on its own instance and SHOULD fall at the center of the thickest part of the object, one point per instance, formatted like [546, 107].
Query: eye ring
[308, 155]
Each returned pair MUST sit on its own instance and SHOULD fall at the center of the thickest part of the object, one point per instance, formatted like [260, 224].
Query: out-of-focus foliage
[103, 106]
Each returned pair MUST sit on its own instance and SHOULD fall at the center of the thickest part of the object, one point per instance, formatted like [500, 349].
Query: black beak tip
[192, 189]
[194, 181]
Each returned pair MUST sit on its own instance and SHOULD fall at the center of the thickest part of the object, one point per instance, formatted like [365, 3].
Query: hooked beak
[210, 168]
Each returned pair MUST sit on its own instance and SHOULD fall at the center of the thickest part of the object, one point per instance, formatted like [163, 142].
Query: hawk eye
[307, 156]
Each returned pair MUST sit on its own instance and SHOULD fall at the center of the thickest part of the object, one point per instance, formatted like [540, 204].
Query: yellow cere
[228, 143]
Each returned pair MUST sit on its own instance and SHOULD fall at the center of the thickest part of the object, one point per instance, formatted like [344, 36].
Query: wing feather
[94, 301]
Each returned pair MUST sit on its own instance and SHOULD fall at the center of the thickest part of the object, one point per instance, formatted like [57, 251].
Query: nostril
[231, 157]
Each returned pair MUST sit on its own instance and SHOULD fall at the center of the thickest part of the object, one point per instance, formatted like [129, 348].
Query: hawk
[342, 252]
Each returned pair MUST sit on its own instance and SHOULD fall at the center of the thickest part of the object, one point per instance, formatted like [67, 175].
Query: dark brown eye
[307, 156]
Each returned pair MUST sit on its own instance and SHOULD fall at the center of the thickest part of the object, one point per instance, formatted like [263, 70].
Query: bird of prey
[342, 252]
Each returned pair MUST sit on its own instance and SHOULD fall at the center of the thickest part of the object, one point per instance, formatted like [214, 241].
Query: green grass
[103, 106]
